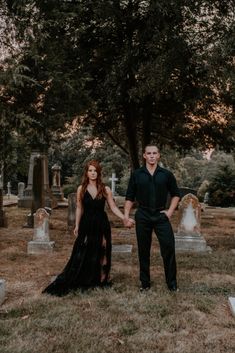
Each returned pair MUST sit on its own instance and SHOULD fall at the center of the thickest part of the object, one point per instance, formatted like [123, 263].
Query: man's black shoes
[144, 287]
[173, 288]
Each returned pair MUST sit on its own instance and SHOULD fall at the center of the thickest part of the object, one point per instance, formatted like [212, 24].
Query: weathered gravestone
[120, 201]
[122, 249]
[27, 199]
[231, 301]
[72, 204]
[8, 189]
[56, 186]
[41, 242]
[21, 187]
[188, 237]
[3, 220]
[2, 290]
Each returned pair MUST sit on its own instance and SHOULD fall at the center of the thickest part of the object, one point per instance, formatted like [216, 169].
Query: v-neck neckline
[93, 198]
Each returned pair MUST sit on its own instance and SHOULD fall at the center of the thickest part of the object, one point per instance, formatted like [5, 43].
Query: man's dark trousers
[146, 222]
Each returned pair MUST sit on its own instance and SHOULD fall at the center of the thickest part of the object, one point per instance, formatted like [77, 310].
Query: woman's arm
[79, 210]
[114, 207]
[112, 204]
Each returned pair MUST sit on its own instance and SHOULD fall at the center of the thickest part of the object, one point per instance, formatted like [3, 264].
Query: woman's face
[92, 173]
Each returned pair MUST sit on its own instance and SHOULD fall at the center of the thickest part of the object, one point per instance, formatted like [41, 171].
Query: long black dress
[90, 261]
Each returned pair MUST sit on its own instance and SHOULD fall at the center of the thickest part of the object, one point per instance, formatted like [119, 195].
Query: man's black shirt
[151, 191]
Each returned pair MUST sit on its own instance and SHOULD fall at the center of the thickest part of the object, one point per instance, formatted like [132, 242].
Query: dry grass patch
[120, 319]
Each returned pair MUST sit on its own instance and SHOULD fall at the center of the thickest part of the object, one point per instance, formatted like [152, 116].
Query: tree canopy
[137, 71]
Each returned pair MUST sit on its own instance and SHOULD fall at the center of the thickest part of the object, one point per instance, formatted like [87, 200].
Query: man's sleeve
[131, 189]
[172, 186]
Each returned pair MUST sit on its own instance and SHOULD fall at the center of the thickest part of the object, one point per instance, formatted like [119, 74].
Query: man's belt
[152, 209]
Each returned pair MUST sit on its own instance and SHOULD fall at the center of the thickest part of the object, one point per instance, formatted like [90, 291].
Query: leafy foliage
[222, 185]
[133, 70]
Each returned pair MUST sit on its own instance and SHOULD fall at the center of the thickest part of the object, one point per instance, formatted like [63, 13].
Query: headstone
[3, 220]
[21, 187]
[72, 204]
[206, 198]
[188, 237]
[231, 301]
[127, 232]
[120, 201]
[41, 242]
[8, 189]
[113, 180]
[2, 290]
[56, 186]
[122, 249]
[27, 199]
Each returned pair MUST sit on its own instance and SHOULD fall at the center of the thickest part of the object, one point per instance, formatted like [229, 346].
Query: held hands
[128, 222]
[167, 213]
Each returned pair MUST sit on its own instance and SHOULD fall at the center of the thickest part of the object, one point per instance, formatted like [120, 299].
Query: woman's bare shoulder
[79, 188]
[107, 189]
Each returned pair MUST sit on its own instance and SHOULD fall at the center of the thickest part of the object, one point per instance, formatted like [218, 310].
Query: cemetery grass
[119, 319]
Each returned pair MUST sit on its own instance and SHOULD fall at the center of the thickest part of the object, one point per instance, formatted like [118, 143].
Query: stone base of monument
[233, 251]
[25, 202]
[191, 243]
[57, 193]
[2, 290]
[39, 247]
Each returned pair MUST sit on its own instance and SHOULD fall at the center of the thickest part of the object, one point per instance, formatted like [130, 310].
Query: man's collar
[144, 168]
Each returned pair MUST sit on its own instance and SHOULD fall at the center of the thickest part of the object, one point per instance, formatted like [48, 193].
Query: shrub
[222, 187]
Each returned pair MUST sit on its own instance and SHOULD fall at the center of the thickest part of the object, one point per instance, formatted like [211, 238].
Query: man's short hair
[151, 145]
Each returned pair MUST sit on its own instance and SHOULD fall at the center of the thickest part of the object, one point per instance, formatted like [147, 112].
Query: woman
[90, 261]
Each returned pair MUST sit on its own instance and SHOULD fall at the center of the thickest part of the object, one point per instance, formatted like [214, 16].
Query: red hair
[99, 184]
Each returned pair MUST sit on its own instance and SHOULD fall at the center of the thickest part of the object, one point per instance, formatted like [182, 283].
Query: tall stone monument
[56, 183]
[188, 236]
[72, 204]
[38, 160]
[3, 220]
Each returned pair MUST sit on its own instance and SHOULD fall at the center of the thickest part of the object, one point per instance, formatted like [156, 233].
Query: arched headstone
[41, 241]
[188, 236]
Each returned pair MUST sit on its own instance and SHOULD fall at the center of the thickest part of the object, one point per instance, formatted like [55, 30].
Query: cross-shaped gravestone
[113, 182]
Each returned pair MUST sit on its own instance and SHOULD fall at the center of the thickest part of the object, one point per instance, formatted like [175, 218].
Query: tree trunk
[131, 134]
[146, 122]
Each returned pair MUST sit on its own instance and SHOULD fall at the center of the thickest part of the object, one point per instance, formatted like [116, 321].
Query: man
[149, 186]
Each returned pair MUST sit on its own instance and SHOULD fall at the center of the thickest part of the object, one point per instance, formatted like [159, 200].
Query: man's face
[151, 155]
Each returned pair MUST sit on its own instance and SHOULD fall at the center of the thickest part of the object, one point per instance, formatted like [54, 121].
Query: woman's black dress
[90, 261]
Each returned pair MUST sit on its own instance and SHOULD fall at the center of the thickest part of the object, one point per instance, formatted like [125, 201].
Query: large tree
[138, 71]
